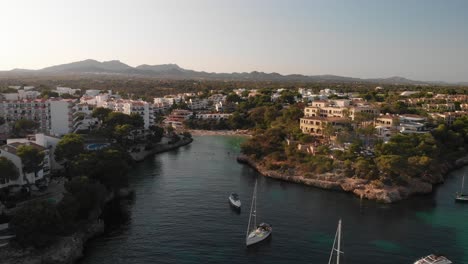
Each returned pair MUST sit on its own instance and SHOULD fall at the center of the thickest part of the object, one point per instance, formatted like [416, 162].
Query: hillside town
[332, 118]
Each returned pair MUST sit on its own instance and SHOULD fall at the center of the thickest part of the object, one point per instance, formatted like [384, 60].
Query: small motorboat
[434, 259]
[234, 200]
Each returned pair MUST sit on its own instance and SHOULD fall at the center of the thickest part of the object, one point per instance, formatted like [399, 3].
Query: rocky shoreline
[69, 249]
[65, 251]
[143, 154]
[200, 132]
[359, 187]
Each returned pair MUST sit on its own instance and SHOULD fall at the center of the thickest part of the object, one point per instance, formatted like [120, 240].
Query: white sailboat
[336, 246]
[260, 232]
[434, 259]
[462, 197]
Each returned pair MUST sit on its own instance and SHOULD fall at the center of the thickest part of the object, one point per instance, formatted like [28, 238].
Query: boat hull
[258, 237]
[433, 259]
[461, 199]
[235, 204]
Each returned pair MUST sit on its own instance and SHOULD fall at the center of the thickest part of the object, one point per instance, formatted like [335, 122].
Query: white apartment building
[142, 108]
[21, 95]
[216, 116]
[18, 87]
[9, 152]
[82, 117]
[49, 142]
[61, 116]
[217, 98]
[197, 104]
[35, 110]
[92, 92]
[65, 90]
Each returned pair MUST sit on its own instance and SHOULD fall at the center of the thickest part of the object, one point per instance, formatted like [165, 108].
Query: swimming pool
[97, 146]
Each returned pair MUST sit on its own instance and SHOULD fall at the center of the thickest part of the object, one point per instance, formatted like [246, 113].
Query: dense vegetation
[147, 88]
[404, 157]
[396, 162]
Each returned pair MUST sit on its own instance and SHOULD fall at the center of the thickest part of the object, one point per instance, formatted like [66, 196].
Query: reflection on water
[181, 215]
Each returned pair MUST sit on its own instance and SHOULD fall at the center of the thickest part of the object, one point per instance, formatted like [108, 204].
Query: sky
[418, 39]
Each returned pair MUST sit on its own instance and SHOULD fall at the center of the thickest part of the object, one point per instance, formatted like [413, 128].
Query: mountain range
[173, 71]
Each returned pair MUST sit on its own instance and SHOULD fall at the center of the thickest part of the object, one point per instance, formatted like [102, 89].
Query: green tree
[8, 169]
[101, 113]
[24, 126]
[121, 132]
[157, 133]
[37, 224]
[46, 94]
[32, 159]
[89, 195]
[68, 208]
[391, 165]
[69, 147]
[233, 98]
[364, 168]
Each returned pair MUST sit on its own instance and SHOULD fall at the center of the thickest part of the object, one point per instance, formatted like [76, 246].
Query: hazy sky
[425, 40]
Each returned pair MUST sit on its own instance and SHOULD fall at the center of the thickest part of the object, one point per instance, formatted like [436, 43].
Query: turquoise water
[181, 215]
[97, 146]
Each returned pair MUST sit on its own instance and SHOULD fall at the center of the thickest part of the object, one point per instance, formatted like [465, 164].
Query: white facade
[50, 143]
[92, 92]
[21, 95]
[53, 116]
[197, 104]
[9, 152]
[61, 117]
[35, 110]
[144, 109]
[65, 90]
[216, 116]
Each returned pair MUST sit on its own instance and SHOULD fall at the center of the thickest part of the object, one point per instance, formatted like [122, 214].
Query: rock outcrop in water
[360, 187]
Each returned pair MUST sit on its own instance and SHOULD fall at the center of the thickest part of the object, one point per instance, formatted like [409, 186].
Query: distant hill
[91, 66]
[160, 68]
[173, 71]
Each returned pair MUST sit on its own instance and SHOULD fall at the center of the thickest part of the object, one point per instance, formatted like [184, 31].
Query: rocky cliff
[360, 187]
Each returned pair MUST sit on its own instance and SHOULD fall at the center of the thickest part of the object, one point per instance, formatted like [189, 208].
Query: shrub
[37, 224]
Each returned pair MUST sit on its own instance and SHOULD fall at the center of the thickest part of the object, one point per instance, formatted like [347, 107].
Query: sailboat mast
[253, 209]
[336, 245]
[463, 184]
[339, 243]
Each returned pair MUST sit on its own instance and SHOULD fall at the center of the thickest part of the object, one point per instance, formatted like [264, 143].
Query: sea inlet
[181, 215]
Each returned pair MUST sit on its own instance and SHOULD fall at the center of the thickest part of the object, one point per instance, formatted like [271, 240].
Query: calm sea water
[181, 215]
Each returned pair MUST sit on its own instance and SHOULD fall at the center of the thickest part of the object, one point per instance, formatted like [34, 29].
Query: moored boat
[234, 200]
[259, 232]
[433, 259]
[462, 197]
